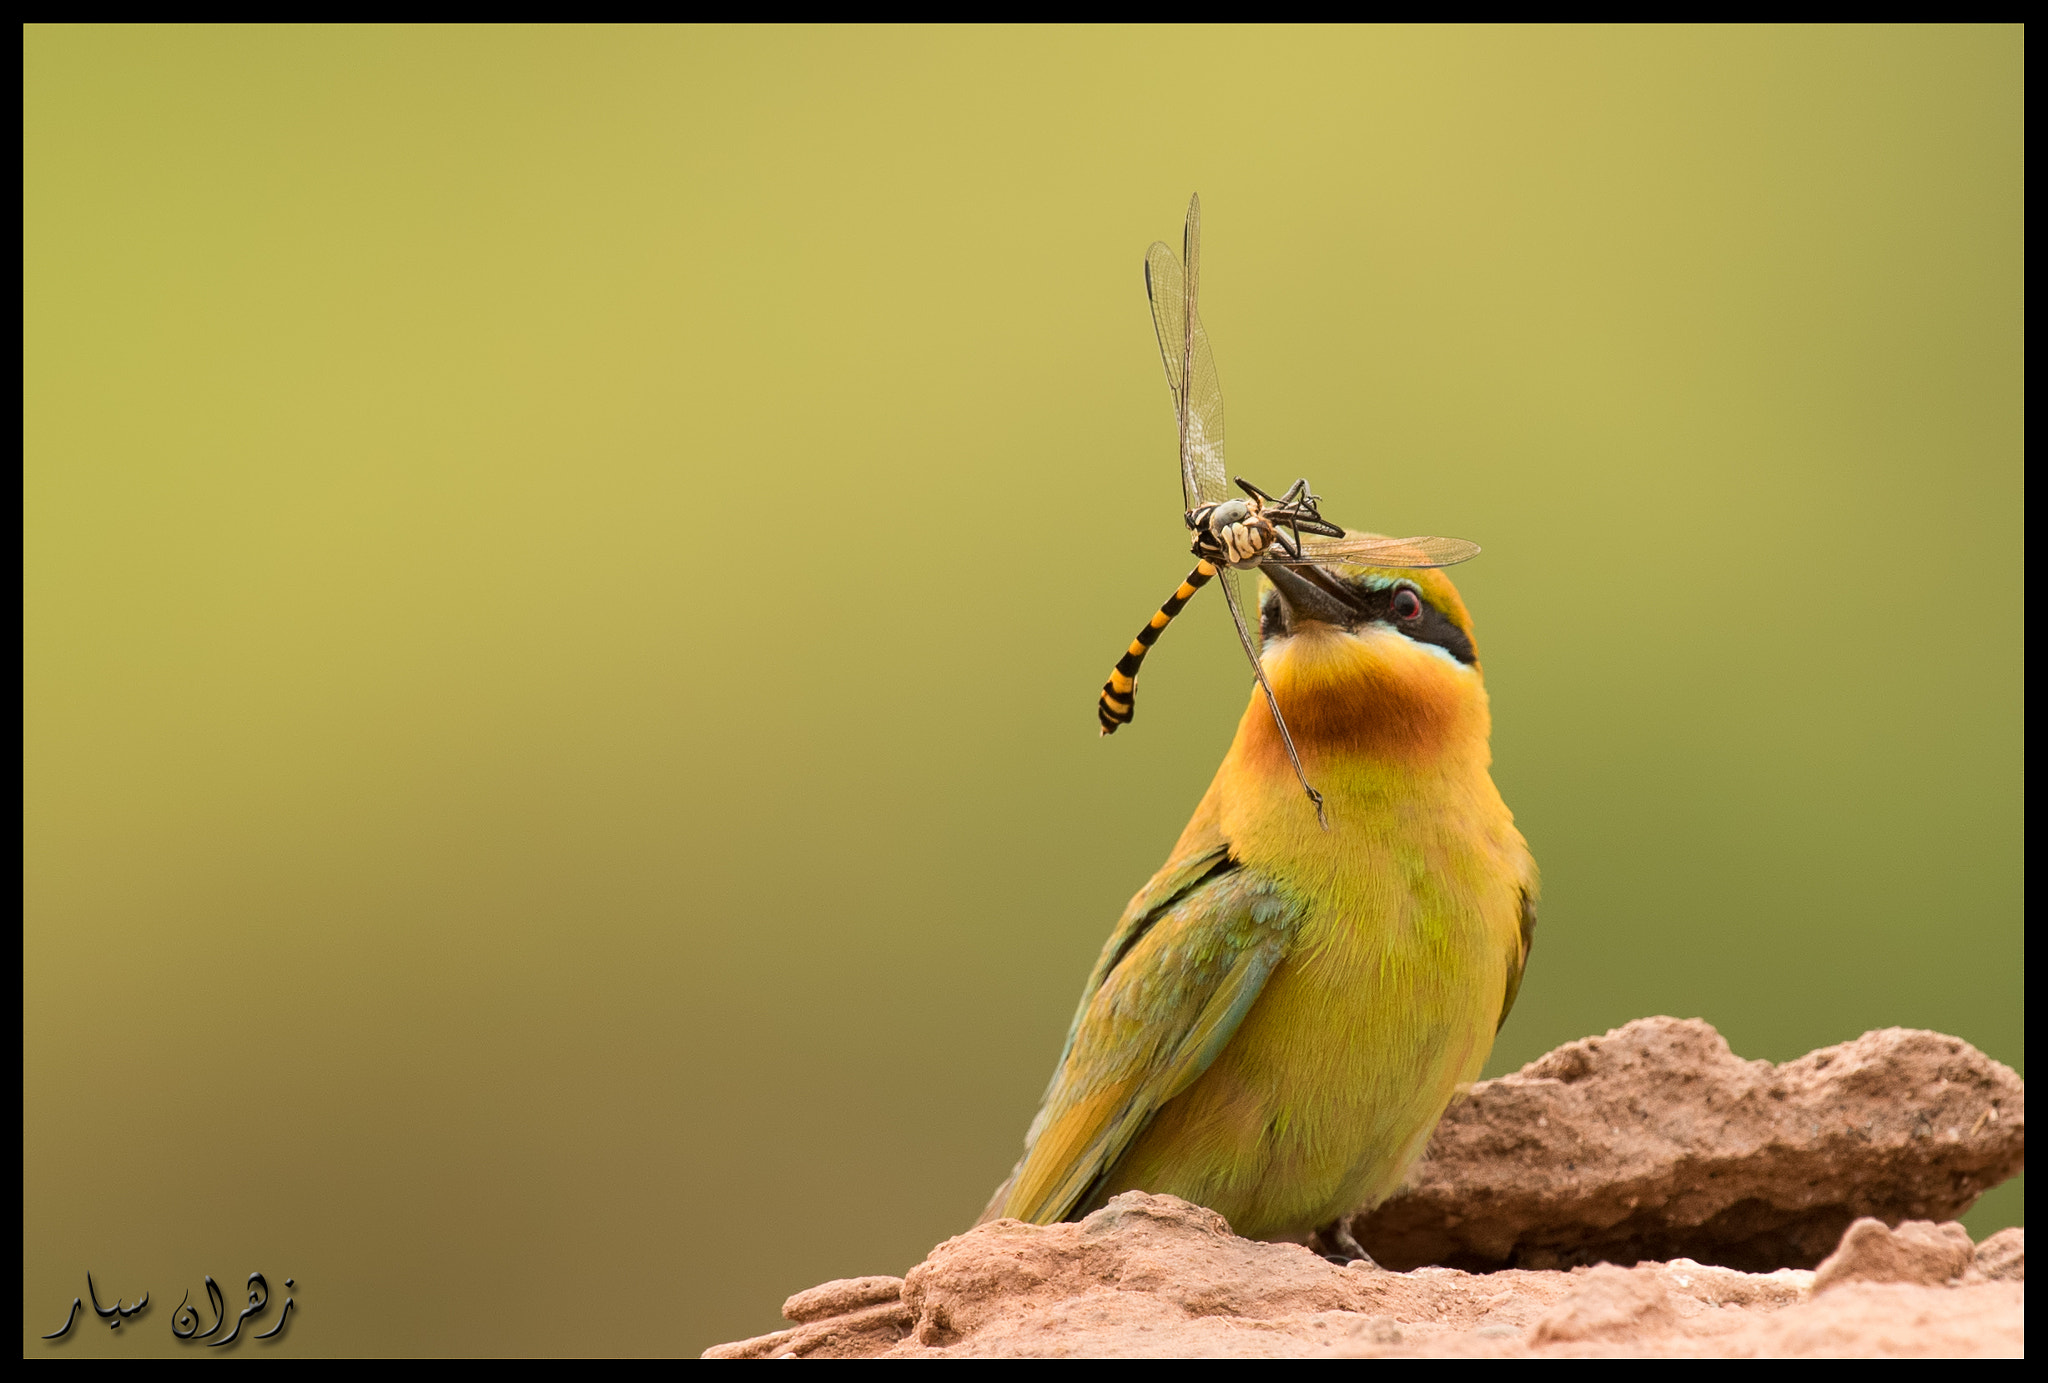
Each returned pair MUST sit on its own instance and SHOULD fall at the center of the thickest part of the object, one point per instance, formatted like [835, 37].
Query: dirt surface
[1150, 1276]
[1588, 1171]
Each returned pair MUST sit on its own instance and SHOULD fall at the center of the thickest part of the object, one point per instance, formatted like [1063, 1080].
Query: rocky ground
[1642, 1193]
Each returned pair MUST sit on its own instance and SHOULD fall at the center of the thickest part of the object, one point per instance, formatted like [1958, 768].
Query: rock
[851, 1318]
[1877, 1321]
[1159, 1255]
[1609, 1304]
[1656, 1142]
[838, 1298]
[1652, 1143]
[1156, 1277]
[1917, 1251]
[2003, 1257]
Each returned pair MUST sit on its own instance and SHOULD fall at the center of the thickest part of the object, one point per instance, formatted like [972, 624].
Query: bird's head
[1368, 662]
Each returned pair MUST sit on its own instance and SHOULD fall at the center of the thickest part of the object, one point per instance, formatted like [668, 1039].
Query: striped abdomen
[1119, 694]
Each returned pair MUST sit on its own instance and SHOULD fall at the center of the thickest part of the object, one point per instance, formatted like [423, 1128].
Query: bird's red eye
[1407, 604]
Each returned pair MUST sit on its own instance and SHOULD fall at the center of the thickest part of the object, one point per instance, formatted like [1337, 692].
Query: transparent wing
[1201, 437]
[1239, 595]
[1242, 587]
[1372, 550]
[1172, 285]
[1165, 289]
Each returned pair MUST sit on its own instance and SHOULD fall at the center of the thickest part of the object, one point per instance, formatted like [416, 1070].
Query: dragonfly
[1234, 535]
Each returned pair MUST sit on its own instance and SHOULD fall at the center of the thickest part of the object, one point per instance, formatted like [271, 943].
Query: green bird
[1284, 1011]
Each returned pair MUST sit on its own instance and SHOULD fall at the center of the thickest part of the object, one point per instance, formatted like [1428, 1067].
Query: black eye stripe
[1436, 627]
[1376, 606]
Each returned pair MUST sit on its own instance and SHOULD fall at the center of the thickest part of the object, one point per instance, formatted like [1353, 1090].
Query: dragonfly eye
[1407, 604]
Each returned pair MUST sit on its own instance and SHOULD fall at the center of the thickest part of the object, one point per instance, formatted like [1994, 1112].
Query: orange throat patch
[1373, 694]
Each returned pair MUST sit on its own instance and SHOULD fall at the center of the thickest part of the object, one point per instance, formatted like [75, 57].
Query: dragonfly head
[1232, 533]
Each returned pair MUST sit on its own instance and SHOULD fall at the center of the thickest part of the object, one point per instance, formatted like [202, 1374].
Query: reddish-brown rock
[1610, 1303]
[1652, 1143]
[1657, 1142]
[838, 1298]
[1917, 1251]
[2003, 1257]
[1153, 1276]
[852, 1318]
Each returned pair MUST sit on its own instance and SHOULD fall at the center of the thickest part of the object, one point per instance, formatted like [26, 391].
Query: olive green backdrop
[567, 572]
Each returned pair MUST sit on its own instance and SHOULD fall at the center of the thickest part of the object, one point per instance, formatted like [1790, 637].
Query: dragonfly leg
[1254, 491]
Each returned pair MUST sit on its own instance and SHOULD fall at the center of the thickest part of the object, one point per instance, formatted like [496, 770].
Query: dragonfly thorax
[1231, 533]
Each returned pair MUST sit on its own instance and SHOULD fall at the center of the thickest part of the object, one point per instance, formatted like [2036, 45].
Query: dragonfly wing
[1373, 550]
[1236, 597]
[1165, 287]
[1172, 285]
[1241, 592]
[1201, 432]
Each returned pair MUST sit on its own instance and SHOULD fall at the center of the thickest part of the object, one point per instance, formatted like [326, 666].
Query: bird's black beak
[1308, 594]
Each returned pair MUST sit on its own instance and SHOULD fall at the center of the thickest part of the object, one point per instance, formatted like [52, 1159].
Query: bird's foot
[1335, 1243]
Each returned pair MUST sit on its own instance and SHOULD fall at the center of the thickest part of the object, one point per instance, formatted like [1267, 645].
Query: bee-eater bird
[1283, 1011]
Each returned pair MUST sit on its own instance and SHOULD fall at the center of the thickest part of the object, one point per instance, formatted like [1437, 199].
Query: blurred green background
[566, 573]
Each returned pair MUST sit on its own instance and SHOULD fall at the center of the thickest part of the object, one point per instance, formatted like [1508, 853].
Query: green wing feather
[1518, 958]
[1161, 891]
[1187, 961]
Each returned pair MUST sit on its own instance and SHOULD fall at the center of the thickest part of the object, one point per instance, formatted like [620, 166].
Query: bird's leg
[1334, 1241]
